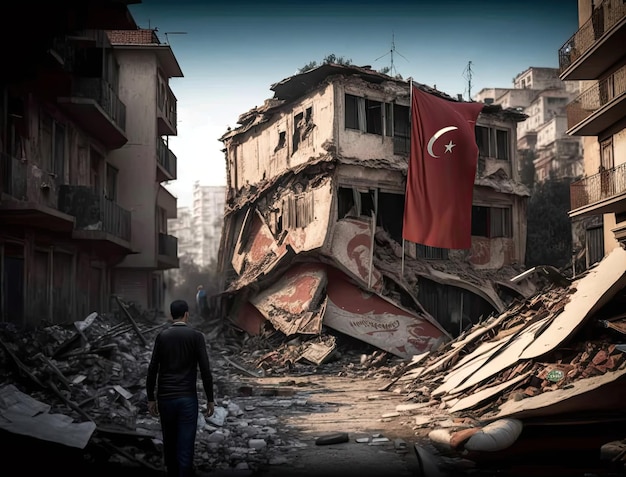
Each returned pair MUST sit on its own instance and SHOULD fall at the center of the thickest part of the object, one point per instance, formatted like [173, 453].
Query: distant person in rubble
[201, 302]
[178, 353]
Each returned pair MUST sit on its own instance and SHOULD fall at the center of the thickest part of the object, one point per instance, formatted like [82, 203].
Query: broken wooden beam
[21, 366]
[132, 321]
[54, 369]
[70, 404]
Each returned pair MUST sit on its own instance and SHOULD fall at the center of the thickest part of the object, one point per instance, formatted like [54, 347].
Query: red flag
[442, 166]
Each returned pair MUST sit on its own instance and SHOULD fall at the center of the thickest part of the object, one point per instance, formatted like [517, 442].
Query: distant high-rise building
[199, 227]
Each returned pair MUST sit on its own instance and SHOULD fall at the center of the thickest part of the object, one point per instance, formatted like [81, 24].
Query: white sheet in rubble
[21, 414]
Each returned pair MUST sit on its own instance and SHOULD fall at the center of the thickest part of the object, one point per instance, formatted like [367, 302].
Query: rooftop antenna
[467, 74]
[392, 68]
[167, 40]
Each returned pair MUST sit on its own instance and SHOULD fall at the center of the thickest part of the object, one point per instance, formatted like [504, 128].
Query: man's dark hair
[178, 308]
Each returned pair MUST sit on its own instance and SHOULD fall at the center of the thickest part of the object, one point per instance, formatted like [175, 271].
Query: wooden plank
[486, 393]
[132, 321]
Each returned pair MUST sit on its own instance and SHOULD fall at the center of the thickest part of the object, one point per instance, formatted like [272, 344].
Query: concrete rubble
[543, 378]
[89, 378]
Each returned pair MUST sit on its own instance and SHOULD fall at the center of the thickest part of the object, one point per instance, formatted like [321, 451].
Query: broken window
[401, 129]
[282, 140]
[594, 245]
[298, 124]
[493, 142]
[391, 214]
[345, 202]
[491, 222]
[374, 118]
[52, 137]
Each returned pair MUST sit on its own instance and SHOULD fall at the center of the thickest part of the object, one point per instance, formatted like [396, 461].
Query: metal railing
[93, 211]
[600, 186]
[166, 157]
[13, 172]
[596, 97]
[166, 101]
[168, 245]
[603, 18]
[102, 92]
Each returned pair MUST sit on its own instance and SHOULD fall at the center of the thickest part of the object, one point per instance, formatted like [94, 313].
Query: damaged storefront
[312, 234]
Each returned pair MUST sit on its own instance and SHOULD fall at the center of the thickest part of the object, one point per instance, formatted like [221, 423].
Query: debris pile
[556, 359]
[89, 378]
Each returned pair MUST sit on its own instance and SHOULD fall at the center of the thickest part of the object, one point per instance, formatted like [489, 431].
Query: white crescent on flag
[436, 136]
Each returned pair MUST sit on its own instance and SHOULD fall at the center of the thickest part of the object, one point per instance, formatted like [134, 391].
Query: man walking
[178, 352]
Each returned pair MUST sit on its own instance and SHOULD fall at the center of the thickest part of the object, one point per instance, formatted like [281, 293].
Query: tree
[331, 58]
[549, 229]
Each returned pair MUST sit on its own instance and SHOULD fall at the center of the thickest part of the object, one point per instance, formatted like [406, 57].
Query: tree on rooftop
[331, 58]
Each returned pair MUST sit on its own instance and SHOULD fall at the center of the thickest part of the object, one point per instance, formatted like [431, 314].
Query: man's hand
[153, 409]
[210, 409]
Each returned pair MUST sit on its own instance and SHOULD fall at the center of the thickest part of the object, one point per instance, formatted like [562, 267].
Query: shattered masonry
[312, 230]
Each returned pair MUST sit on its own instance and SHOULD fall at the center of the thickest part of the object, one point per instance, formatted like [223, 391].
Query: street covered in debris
[542, 379]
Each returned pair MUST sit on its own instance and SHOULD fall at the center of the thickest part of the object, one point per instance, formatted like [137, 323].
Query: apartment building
[63, 228]
[313, 226]
[182, 228]
[207, 219]
[145, 67]
[595, 57]
[542, 96]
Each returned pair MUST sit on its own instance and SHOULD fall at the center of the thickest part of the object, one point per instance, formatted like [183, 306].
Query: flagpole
[410, 106]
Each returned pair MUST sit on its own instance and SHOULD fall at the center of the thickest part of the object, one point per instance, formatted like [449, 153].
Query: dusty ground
[342, 404]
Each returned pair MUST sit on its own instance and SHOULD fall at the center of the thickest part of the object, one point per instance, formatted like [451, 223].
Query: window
[374, 117]
[282, 140]
[401, 129]
[491, 222]
[111, 183]
[52, 147]
[352, 116]
[493, 142]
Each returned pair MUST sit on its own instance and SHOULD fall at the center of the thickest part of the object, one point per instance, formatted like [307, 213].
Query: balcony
[599, 106]
[166, 109]
[95, 105]
[166, 162]
[597, 45]
[97, 218]
[167, 256]
[601, 193]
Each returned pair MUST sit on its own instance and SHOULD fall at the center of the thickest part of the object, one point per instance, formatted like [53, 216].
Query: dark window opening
[298, 122]
[309, 114]
[389, 119]
[374, 116]
[401, 129]
[59, 150]
[482, 140]
[345, 202]
[367, 203]
[282, 140]
[352, 114]
[491, 222]
[111, 181]
[502, 144]
[390, 214]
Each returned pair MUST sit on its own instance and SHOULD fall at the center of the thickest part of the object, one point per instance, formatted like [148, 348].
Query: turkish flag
[442, 166]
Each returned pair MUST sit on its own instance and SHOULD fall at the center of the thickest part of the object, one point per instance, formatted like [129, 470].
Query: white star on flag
[449, 147]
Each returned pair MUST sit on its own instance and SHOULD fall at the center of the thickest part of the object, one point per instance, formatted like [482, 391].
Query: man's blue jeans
[179, 422]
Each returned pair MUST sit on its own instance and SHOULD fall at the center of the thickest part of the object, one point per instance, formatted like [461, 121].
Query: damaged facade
[78, 172]
[313, 223]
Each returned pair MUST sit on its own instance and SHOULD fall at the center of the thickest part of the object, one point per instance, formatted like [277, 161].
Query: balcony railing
[13, 176]
[93, 211]
[166, 107]
[596, 97]
[600, 186]
[166, 158]
[603, 17]
[168, 245]
[102, 92]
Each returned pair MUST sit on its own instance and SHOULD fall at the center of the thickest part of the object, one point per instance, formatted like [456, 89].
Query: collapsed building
[312, 230]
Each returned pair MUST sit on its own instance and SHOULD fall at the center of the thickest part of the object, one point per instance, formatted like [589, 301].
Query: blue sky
[231, 53]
